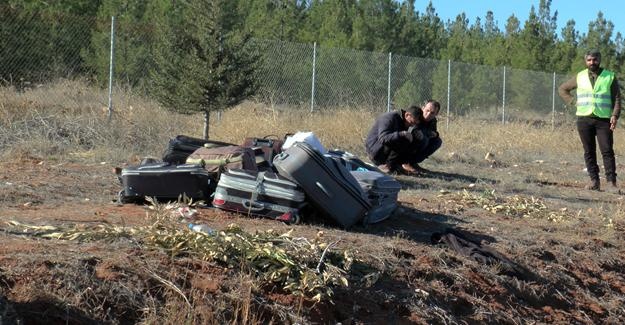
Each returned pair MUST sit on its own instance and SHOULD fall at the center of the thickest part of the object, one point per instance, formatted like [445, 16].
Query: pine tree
[272, 19]
[431, 34]
[134, 37]
[565, 52]
[458, 33]
[599, 37]
[375, 25]
[330, 22]
[202, 64]
[42, 40]
[620, 59]
[494, 42]
[408, 28]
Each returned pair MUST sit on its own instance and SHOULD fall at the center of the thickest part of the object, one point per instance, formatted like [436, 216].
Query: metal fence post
[388, 91]
[553, 103]
[448, 92]
[110, 106]
[503, 98]
[312, 91]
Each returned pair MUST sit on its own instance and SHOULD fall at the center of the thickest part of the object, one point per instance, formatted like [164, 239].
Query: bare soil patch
[572, 251]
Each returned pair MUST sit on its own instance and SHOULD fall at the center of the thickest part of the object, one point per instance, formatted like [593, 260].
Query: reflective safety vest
[597, 100]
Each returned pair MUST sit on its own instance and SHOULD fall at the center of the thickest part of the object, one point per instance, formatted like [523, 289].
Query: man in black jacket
[399, 141]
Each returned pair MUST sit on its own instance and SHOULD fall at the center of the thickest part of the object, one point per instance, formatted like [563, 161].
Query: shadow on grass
[50, 312]
[414, 181]
[416, 225]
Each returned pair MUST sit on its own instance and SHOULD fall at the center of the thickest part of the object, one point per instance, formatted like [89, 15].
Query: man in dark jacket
[598, 109]
[399, 141]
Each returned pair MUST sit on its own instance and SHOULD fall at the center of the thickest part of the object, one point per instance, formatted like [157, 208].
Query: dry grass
[68, 120]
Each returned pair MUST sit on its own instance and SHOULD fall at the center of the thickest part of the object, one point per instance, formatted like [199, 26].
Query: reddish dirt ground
[567, 274]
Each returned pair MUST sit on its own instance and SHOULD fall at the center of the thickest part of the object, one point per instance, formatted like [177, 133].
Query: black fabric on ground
[481, 254]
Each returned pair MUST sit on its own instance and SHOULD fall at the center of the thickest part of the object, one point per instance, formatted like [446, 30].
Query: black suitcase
[180, 147]
[327, 183]
[382, 191]
[166, 182]
[264, 194]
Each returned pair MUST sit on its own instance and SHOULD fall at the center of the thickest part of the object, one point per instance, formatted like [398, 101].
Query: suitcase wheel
[289, 218]
[121, 199]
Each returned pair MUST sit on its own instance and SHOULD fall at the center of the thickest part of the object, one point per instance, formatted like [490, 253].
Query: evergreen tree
[24, 50]
[458, 33]
[134, 39]
[494, 43]
[565, 52]
[431, 34]
[513, 26]
[329, 23]
[272, 19]
[599, 37]
[375, 25]
[42, 40]
[620, 59]
[408, 28]
[202, 63]
[474, 51]
[532, 49]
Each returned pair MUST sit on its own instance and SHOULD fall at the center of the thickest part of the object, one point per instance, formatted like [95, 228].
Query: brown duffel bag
[220, 158]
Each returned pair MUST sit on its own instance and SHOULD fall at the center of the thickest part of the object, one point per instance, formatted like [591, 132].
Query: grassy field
[69, 118]
[516, 189]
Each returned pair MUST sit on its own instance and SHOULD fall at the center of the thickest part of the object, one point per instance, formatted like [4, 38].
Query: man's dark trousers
[414, 152]
[589, 128]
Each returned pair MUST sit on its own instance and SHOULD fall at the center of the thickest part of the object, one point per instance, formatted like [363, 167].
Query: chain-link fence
[39, 49]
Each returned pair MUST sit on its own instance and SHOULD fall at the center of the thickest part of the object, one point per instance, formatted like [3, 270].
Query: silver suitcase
[328, 185]
[382, 191]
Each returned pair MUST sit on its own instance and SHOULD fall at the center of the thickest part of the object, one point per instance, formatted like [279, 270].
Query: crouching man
[399, 141]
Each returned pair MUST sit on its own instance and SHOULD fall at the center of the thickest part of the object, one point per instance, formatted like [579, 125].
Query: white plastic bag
[307, 137]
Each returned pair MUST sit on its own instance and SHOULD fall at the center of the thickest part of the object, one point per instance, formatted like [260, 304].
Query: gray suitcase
[328, 185]
[382, 191]
[263, 194]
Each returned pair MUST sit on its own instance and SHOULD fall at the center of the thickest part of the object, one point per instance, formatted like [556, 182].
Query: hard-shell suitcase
[182, 146]
[327, 183]
[263, 194]
[166, 182]
[382, 191]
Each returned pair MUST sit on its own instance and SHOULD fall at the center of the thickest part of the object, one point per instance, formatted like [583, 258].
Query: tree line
[74, 29]
[162, 44]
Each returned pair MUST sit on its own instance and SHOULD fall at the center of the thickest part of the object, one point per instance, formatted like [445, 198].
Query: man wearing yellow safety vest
[598, 109]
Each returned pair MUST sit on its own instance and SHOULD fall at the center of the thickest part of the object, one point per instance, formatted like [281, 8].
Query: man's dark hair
[436, 104]
[593, 52]
[414, 110]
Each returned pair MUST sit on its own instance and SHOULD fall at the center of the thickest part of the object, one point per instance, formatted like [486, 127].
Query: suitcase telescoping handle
[324, 190]
[264, 142]
[252, 205]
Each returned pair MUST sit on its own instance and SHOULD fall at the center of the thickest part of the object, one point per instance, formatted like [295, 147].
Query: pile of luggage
[282, 179]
